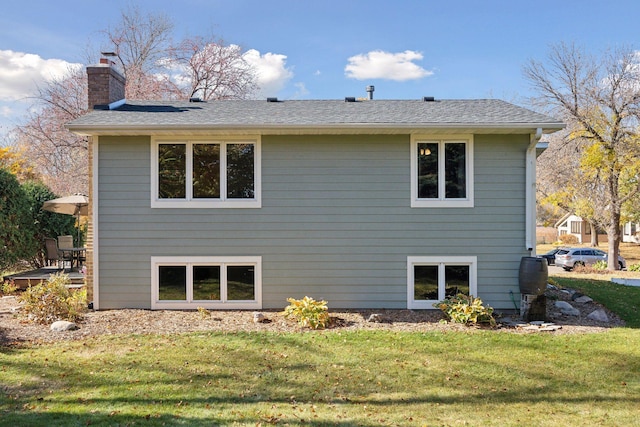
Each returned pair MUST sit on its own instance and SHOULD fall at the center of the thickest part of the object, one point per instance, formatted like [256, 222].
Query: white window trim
[441, 262]
[256, 202]
[189, 262]
[467, 202]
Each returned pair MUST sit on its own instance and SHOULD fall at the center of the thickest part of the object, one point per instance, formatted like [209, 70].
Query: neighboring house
[576, 226]
[631, 232]
[367, 204]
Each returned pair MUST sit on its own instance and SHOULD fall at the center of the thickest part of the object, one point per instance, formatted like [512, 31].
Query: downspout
[530, 193]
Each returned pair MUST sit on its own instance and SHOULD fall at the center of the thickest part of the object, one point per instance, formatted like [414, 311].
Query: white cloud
[301, 90]
[378, 64]
[21, 73]
[271, 69]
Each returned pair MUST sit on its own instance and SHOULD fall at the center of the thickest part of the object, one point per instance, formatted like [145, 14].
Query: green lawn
[326, 378]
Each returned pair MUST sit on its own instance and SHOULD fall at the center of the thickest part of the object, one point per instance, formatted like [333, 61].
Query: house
[240, 204]
[574, 225]
[581, 229]
[631, 232]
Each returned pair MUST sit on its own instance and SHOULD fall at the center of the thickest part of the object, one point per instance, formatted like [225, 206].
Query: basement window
[209, 282]
[432, 279]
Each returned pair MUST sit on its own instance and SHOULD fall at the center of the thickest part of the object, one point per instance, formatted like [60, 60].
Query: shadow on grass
[222, 379]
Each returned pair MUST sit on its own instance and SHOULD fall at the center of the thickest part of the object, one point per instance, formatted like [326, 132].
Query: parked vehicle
[569, 258]
[551, 255]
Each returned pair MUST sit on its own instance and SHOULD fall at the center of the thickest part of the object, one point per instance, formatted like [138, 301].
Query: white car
[569, 258]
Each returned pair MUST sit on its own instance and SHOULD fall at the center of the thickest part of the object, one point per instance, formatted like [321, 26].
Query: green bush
[45, 223]
[17, 242]
[600, 265]
[308, 312]
[466, 309]
[52, 300]
[634, 267]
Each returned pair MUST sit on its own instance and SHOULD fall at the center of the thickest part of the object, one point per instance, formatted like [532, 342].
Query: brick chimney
[106, 85]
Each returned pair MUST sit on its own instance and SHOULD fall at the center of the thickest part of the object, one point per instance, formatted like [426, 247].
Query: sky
[327, 49]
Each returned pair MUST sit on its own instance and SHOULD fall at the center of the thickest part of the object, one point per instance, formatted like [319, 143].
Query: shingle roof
[260, 114]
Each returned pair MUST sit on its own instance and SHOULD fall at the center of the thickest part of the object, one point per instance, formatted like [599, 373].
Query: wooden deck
[35, 276]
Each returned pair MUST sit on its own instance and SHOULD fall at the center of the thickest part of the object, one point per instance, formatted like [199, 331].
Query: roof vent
[195, 99]
[370, 90]
[272, 99]
[428, 99]
[350, 99]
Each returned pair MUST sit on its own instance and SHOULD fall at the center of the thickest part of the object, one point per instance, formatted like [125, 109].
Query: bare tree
[154, 70]
[140, 41]
[600, 100]
[59, 156]
[213, 70]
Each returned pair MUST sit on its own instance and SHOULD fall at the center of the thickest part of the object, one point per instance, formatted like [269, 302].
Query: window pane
[206, 282]
[172, 282]
[240, 176]
[456, 280]
[172, 161]
[455, 171]
[425, 285]
[206, 171]
[428, 170]
[241, 282]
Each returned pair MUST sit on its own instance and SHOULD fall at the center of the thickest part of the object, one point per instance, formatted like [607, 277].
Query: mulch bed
[15, 330]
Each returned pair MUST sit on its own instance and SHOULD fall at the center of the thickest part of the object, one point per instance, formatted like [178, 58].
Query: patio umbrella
[76, 205]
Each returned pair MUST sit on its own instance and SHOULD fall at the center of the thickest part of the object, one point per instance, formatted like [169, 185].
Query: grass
[622, 300]
[337, 378]
[325, 378]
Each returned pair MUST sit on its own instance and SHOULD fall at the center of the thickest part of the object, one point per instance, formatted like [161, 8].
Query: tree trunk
[594, 235]
[614, 237]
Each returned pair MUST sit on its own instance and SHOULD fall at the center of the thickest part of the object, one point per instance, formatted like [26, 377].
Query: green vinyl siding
[335, 222]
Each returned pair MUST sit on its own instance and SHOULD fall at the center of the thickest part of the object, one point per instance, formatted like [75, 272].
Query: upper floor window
[442, 172]
[206, 174]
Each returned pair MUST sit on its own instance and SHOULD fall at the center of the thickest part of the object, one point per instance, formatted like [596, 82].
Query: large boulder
[567, 309]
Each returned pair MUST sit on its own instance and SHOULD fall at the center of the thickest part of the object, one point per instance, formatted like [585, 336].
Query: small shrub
[568, 239]
[308, 312]
[52, 300]
[466, 309]
[204, 313]
[9, 288]
[634, 267]
[600, 265]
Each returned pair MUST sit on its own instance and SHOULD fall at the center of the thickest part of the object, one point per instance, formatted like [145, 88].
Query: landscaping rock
[576, 295]
[583, 299]
[599, 315]
[258, 317]
[63, 325]
[375, 318]
[567, 308]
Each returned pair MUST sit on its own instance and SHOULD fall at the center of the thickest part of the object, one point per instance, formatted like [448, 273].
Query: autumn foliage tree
[599, 97]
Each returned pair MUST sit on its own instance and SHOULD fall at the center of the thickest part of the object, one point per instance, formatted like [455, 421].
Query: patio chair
[65, 242]
[55, 254]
